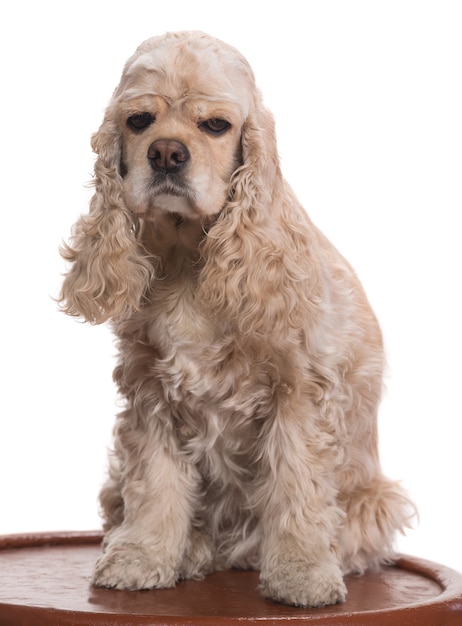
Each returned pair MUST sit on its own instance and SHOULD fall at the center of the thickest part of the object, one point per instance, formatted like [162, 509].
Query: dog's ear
[253, 183]
[109, 270]
[253, 255]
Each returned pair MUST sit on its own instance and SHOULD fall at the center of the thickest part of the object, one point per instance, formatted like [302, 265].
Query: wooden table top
[45, 580]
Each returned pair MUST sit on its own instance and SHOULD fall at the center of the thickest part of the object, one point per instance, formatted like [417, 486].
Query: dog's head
[186, 134]
[178, 113]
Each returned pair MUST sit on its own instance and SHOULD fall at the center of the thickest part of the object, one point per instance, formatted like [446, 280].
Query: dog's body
[249, 358]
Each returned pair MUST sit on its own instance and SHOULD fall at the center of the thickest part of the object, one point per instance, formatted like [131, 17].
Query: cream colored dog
[249, 358]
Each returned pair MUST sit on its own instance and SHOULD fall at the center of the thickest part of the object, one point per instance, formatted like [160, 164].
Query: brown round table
[45, 581]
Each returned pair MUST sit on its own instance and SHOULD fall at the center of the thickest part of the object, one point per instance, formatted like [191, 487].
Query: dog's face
[181, 107]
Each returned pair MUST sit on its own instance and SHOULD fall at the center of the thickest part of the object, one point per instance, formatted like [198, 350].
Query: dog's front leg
[160, 491]
[299, 517]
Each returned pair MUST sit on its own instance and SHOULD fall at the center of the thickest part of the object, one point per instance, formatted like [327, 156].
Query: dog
[249, 359]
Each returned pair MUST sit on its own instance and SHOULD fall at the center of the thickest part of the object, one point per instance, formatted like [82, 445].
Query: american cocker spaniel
[250, 361]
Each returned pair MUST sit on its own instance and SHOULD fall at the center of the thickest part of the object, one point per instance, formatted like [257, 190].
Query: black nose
[167, 155]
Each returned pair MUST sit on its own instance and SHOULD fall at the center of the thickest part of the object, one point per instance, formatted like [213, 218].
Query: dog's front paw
[134, 566]
[301, 584]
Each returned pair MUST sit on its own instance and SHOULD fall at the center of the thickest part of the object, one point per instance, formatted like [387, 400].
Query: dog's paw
[301, 584]
[134, 566]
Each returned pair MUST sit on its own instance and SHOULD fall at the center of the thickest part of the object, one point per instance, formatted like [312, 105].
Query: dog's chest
[202, 364]
[217, 388]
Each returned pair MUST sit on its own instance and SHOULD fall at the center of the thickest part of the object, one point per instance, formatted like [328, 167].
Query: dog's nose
[168, 155]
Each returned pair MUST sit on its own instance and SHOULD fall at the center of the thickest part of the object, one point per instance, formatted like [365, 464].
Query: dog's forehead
[195, 68]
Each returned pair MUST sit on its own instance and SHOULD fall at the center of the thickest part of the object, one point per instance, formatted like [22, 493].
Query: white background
[368, 103]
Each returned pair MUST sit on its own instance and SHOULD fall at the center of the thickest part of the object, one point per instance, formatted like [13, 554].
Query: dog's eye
[140, 121]
[215, 126]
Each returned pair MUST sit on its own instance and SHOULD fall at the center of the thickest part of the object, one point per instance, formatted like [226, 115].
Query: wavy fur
[110, 271]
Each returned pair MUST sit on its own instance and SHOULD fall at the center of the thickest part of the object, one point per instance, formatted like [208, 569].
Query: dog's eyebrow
[144, 80]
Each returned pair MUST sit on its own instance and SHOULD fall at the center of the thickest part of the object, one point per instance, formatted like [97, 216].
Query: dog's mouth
[172, 195]
[166, 184]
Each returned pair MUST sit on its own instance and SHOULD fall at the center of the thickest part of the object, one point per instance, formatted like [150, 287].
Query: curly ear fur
[248, 275]
[109, 270]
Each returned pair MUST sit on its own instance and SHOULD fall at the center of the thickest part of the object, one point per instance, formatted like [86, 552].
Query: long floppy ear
[109, 269]
[255, 261]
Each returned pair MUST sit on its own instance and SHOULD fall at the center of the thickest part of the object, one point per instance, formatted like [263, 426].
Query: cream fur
[249, 358]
